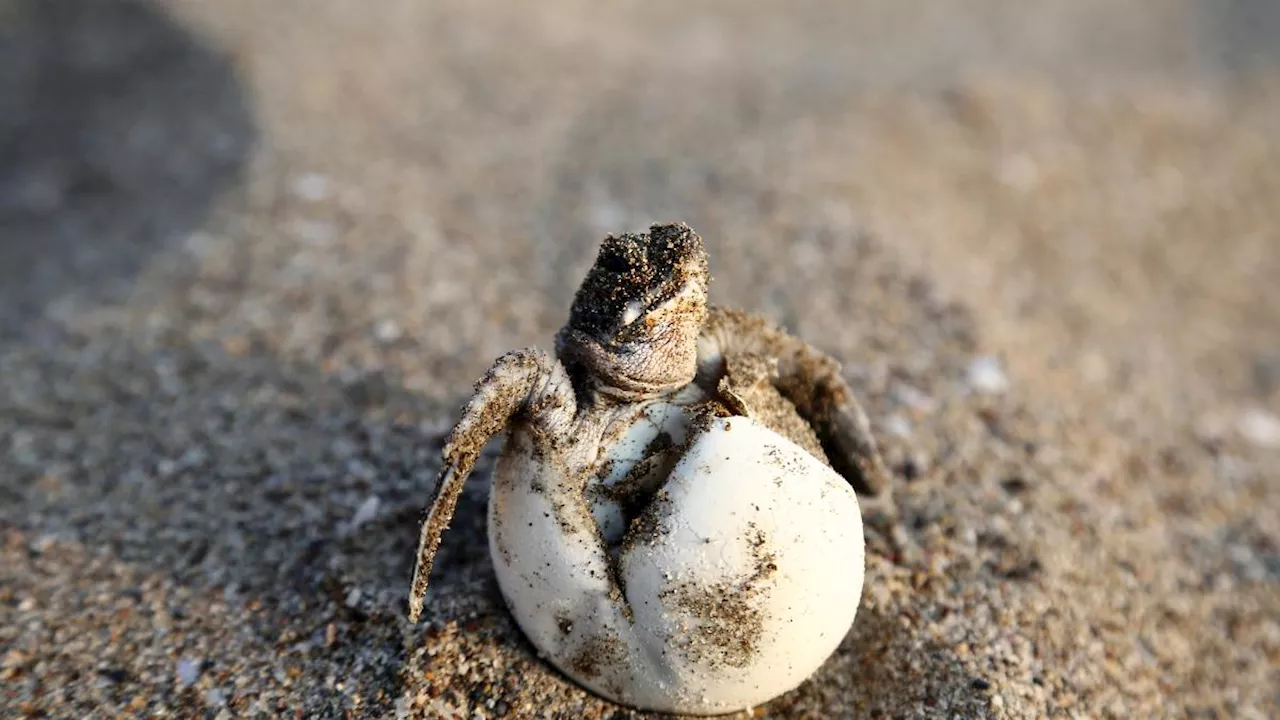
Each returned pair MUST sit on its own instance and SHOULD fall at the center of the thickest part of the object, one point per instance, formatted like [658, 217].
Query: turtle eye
[632, 312]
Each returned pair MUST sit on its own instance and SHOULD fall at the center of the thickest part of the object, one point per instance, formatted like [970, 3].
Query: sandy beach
[253, 256]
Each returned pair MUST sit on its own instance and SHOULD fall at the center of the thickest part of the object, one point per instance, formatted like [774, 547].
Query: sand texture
[254, 254]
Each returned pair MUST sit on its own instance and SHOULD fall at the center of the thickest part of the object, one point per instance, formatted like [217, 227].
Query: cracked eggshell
[641, 449]
[740, 577]
[748, 567]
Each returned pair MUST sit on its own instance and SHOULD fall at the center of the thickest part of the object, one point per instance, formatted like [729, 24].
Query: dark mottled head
[635, 321]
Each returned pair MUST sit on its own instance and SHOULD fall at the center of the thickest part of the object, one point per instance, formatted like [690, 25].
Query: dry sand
[253, 254]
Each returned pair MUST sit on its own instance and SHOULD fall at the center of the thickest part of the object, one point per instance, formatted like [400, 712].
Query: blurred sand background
[253, 254]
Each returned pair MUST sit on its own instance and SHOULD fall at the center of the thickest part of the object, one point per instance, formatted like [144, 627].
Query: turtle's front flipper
[809, 379]
[523, 385]
[749, 387]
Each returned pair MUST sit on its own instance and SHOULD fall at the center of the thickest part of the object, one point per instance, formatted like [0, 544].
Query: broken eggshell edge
[740, 578]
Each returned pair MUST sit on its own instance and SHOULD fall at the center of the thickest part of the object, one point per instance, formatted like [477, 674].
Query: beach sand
[253, 255]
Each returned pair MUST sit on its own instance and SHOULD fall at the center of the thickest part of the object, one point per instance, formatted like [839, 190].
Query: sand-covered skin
[232, 352]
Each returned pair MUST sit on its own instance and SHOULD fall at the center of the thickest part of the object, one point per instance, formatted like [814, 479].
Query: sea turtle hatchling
[672, 519]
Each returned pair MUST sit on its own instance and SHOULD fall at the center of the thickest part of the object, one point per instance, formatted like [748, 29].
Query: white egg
[738, 579]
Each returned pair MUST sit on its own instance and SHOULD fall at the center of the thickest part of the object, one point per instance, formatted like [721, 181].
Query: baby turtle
[672, 520]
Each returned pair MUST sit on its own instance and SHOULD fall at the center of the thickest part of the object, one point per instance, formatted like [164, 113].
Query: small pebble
[368, 511]
[114, 675]
[194, 457]
[914, 398]
[12, 659]
[388, 331]
[897, 426]
[913, 467]
[987, 376]
[1260, 428]
[201, 244]
[1014, 485]
[188, 672]
[215, 698]
[1211, 427]
[312, 187]
[361, 470]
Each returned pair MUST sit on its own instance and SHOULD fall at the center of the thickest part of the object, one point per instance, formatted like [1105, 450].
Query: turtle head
[634, 324]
